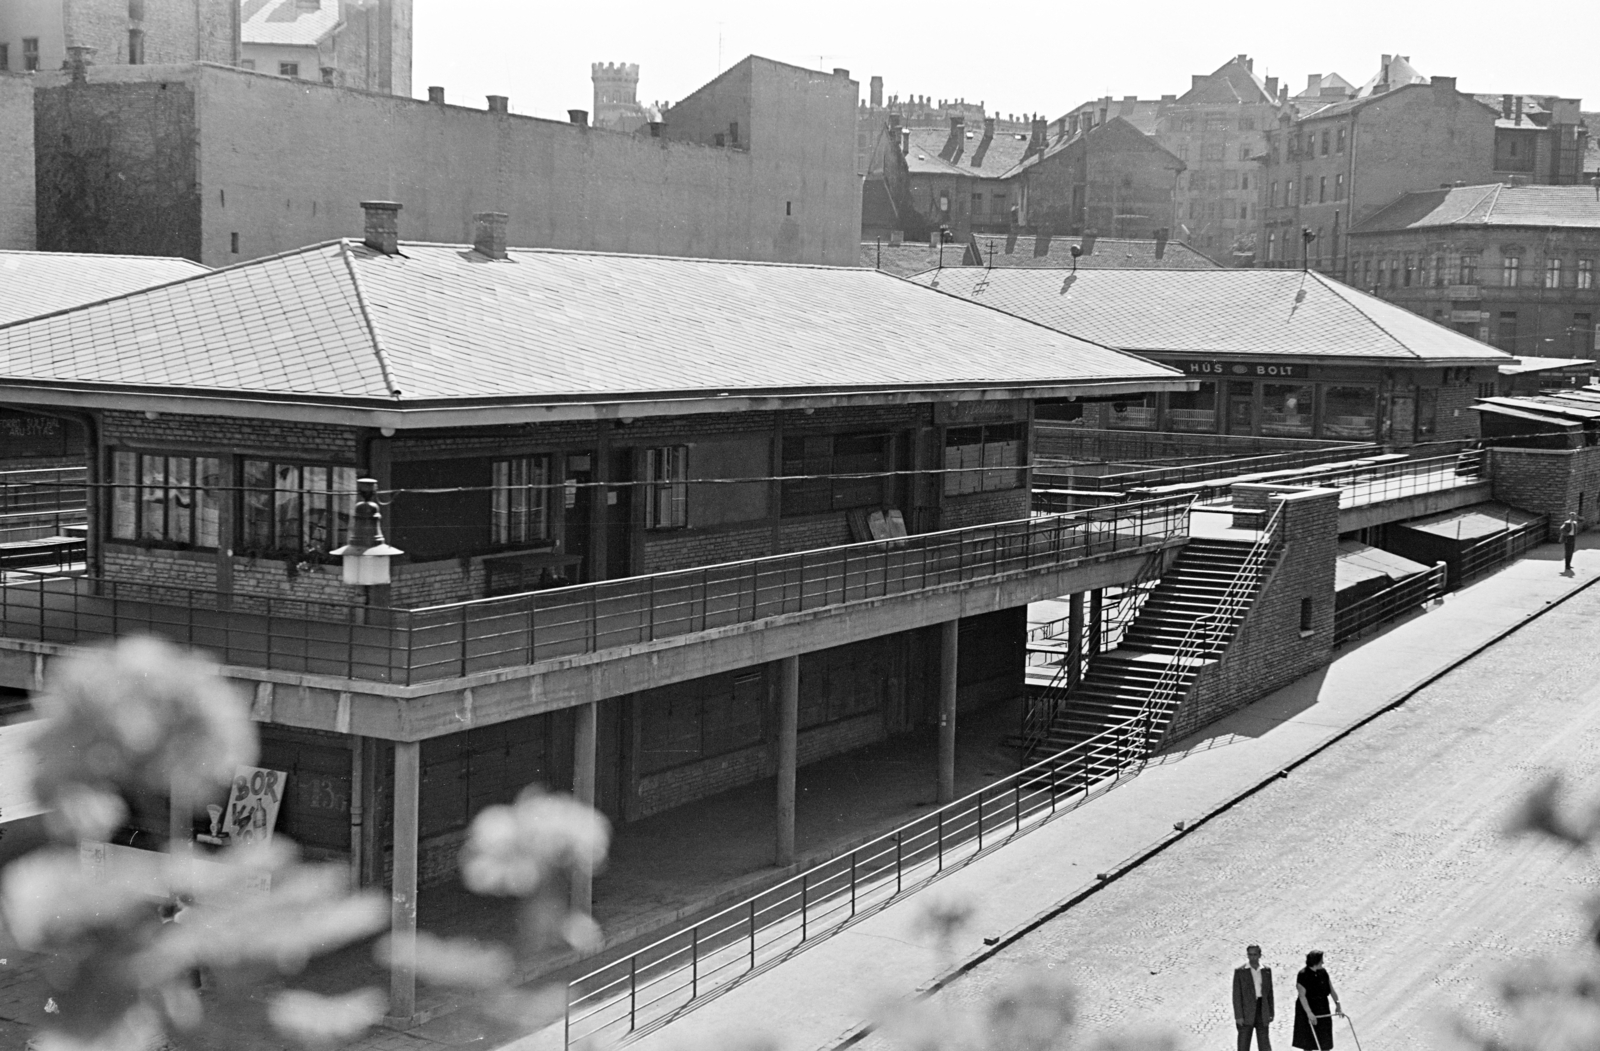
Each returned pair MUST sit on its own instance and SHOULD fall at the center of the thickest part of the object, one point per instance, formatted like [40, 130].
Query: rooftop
[1003, 152]
[292, 23]
[541, 335]
[906, 260]
[1490, 205]
[1224, 312]
[34, 283]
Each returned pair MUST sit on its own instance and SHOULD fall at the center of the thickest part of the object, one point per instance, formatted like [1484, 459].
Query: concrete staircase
[1119, 684]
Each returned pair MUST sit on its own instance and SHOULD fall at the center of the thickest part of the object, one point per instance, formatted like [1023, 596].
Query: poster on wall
[252, 810]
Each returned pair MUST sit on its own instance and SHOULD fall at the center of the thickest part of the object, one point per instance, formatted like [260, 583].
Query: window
[1326, 138]
[1422, 271]
[30, 54]
[1405, 279]
[520, 504]
[966, 449]
[247, 63]
[1438, 270]
[1338, 187]
[1552, 273]
[1381, 265]
[5, 58]
[1288, 192]
[1244, 211]
[1286, 409]
[1305, 197]
[1244, 180]
[1585, 273]
[1341, 139]
[1306, 616]
[166, 500]
[1216, 123]
[1213, 151]
[1244, 152]
[997, 203]
[666, 473]
[1322, 189]
[1394, 273]
[822, 459]
[288, 69]
[1272, 246]
[301, 508]
[1469, 268]
[1183, 151]
[1510, 269]
[1349, 412]
[1272, 194]
[233, 242]
[1194, 410]
[1366, 272]
[135, 47]
[1506, 331]
[977, 203]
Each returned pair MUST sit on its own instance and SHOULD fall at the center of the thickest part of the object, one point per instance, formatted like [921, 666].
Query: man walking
[1569, 539]
[1252, 1000]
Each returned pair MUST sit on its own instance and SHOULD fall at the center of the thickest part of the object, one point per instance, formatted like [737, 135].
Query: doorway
[1241, 407]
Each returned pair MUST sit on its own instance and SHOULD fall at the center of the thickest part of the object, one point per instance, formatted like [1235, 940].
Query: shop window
[1552, 273]
[666, 473]
[833, 472]
[1134, 413]
[1193, 410]
[983, 459]
[1286, 409]
[1350, 412]
[520, 502]
[169, 501]
[295, 508]
[1585, 272]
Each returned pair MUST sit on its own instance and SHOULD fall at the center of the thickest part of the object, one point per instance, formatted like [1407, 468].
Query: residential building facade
[364, 44]
[35, 36]
[1514, 266]
[1111, 179]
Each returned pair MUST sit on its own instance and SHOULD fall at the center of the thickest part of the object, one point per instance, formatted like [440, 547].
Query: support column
[585, 736]
[1074, 637]
[357, 808]
[403, 908]
[788, 754]
[1097, 601]
[949, 640]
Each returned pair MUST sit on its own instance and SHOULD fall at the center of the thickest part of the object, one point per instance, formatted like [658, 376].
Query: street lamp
[366, 556]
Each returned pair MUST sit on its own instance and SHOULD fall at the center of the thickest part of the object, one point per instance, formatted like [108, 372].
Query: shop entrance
[1241, 407]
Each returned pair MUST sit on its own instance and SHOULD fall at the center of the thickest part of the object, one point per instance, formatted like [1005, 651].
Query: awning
[16, 772]
[1525, 414]
[1543, 365]
[1358, 562]
[1472, 523]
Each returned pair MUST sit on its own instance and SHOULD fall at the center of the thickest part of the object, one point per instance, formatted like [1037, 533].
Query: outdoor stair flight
[1121, 683]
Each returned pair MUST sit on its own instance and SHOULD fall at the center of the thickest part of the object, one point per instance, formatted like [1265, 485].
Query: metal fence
[1480, 558]
[1066, 441]
[436, 642]
[1367, 481]
[1049, 472]
[651, 986]
[41, 501]
[1379, 608]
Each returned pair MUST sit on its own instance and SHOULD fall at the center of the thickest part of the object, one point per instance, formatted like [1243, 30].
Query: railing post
[852, 883]
[752, 934]
[941, 841]
[980, 820]
[1016, 801]
[897, 857]
[804, 894]
[463, 640]
[694, 962]
[1054, 766]
[633, 992]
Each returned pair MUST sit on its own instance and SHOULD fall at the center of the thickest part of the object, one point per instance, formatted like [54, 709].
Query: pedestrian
[1313, 1025]
[1252, 1000]
[1569, 539]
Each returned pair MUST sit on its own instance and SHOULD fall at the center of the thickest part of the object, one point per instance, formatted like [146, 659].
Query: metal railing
[436, 642]
[1380, 607]
[1365, 483]
[1065, 441]
[1049, 472]
[1480, 558]
[41, 501]
[646, 988]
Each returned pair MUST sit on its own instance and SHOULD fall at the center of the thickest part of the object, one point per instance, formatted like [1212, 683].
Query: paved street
[1384, 851]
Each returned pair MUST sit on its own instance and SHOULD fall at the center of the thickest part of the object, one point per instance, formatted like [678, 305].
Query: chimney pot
[383, 226]
[578, 117]
[499, 104]
[1516, 107]
[436, 94]
[845, 73]
[489, 234]
[1272, 87]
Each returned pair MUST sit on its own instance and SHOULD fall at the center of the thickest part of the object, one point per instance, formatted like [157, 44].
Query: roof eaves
[378, 352]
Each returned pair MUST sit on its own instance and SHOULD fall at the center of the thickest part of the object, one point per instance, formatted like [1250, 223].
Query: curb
[856, 1033]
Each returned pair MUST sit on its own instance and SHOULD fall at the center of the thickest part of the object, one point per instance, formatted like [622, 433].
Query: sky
[1023, 56]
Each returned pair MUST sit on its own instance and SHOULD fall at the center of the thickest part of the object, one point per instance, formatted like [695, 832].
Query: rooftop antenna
[719, 47]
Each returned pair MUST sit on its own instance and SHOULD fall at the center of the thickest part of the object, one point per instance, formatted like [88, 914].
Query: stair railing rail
[1041, 711]
[1210, 628]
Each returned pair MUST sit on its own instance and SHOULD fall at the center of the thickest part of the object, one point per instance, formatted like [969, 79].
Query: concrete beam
[1403, 508]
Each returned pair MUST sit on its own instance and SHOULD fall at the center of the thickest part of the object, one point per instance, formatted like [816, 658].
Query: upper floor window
[666, 475]
[1338, 187]
[520, 503]
[1438, 270]
[1469, 268]
[1247, 124]
[833, 472]
[291, 507]
[1272, 245]
[1322, 189]
[1552, 273]
[1585, 273]
[1272, 194]
[1510, 270]
[135, 47]
[166, 500]
[1340, 140]
[288, 69]
[30, 54]
[1216, 123]
[1405, 279]
[1244, 180]
[1326, 139]
[5, 58]
[1305, 196]
[1244, 152]
[982, 459]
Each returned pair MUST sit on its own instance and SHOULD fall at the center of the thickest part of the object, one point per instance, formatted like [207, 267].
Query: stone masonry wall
[1271, 650]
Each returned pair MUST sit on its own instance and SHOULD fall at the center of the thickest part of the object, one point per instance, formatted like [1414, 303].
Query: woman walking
[1313, 1025]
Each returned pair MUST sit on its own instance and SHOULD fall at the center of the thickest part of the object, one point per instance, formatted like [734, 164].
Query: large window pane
[344, 499]
[1350, 412]
[208, 518]
[257, 505]
[520, 501]
[1286, 409]
[152, 498]
[1136, 412]
[180, 499]
[317, 529]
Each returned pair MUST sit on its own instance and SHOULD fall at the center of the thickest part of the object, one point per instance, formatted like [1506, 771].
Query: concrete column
[1074, 637]
[949, 640]
[180, 830]
[584, 742]
[357, 808]
[1097, 601]
[788, 753]
[403, 908]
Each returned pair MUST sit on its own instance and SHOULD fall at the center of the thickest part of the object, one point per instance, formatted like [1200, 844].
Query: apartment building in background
[363, 44]
[35, 36]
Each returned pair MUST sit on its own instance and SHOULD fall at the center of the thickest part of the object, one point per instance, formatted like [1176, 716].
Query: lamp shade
[366, 556]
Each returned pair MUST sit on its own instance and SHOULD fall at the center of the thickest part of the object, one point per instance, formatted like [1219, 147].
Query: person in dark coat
[1252, 1001]
[1313, 1024]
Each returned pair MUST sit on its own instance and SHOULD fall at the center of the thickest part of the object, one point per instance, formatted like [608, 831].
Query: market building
[1279, 353]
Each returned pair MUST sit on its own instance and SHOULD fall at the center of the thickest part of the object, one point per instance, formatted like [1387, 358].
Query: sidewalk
[821, 997]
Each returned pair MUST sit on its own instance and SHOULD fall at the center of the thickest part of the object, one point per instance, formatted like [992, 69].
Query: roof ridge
[1334, 287]
[371, 322]
[104, 255]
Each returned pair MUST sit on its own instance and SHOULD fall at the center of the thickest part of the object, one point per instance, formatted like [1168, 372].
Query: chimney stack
[1516, 106]
[845, 73]
[1272, 87]
[1313, 83]
[383, 226]
[1505, 106]
[489, 234]
[876, 92]
[436, 95]
[499, 104]
[1445, 85]
[579, 118]
[1161, 241]
[78, 64]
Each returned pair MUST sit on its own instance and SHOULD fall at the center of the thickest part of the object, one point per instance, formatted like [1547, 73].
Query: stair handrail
[1038, 718]
[1206, 628]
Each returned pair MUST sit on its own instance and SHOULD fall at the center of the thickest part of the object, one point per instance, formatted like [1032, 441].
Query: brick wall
[314, 442]
[702, 547]
[1005, 505]
[160, 568]
[1270, 651]
[1456, 421]
[16, 160]
[1554, 482]
[435, 583]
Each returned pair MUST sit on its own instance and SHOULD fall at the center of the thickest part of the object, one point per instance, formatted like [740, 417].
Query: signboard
[1242, 369]
[1467, 315]
[253, 803]
[17, 800]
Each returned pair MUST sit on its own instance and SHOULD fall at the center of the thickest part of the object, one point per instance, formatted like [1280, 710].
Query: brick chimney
[1039, 139]
[1444, 85]
[436, 95]
[983, 143]
[1272, 87]
[579, 118]
[1313, 83]
[1505, 107]
[383, 226]
[1516, 108]
[489, 234]
[956, 143]
[499, 104]
[876, 92]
